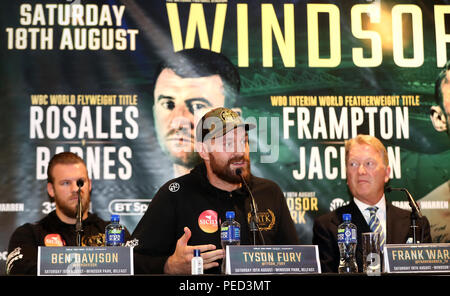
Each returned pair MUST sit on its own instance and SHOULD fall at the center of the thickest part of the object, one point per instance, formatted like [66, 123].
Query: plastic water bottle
[197, 263]
[230, 234]
[230, 231]
[347, 241]
[115, 232]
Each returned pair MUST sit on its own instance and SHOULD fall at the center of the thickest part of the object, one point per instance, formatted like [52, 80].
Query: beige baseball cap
[218, 122]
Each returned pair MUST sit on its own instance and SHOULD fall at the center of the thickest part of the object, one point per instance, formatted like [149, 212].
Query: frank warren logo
[208, 222]
[129, 207]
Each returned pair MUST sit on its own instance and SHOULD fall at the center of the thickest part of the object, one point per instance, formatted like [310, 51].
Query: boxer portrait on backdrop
[188, 84]
[440, 118]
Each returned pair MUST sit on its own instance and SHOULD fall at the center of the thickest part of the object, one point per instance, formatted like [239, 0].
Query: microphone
[79, 224]
[412, 202]
[80, 182]
[254, 224]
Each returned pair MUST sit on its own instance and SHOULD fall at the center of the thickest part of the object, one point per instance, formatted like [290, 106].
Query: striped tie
[375, 225]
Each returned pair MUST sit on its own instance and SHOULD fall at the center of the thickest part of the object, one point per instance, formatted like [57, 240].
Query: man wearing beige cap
[186, 212]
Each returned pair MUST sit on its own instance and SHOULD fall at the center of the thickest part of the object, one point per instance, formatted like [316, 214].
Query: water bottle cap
[347, 217]
[229, 215]
[115, 218]
[196, 253]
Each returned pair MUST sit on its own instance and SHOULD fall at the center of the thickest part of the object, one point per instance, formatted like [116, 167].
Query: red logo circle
[207, 221]
[54, 240]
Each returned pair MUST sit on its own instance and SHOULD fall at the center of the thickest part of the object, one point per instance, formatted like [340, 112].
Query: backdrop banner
[79, 76]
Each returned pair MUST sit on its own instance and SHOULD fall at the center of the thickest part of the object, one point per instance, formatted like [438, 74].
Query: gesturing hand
[180, 261]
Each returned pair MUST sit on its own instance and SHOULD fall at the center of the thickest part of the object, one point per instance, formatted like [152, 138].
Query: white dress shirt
[381, 212]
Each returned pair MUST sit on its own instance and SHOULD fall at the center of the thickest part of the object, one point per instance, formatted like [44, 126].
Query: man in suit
[368, 171]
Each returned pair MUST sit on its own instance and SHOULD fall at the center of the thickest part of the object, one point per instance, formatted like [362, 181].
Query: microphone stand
[415, 214]
[253, 221]
[79, 224]
[415, 211]
[414, 226]
[254, 224]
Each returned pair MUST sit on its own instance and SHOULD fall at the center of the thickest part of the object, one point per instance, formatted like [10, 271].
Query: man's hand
[180, 261]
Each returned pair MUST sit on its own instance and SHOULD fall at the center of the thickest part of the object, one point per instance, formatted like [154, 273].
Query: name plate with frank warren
[417, 258]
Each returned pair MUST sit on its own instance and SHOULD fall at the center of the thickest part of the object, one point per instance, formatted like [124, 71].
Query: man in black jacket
[186, 213]
[368, 171]
[58, 228]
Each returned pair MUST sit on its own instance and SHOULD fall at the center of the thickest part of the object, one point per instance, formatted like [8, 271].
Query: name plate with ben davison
[65, 261]
[272, 259]
[417, 258]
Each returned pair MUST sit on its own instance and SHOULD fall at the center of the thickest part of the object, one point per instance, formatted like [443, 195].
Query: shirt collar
[381, 205]
[381, 212]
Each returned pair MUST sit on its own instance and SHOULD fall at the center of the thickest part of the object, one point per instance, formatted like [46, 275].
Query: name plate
[417, 258]
[273, 259]
[64, 261]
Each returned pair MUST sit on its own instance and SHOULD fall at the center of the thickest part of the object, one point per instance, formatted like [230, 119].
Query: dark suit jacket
[398, 223]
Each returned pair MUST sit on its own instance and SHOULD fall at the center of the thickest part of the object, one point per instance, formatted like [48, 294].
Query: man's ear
[50, 190]
[388, 173]
[90, 184]
[438, 118]
[202, 150]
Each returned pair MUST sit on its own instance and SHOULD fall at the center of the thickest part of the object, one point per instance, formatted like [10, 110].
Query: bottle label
[347, 235]
[230, 233]
[115, 236]
[197, 266]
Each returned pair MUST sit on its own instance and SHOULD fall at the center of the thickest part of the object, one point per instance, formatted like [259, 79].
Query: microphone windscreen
[388, 189]
[80, 182]
[238, 172]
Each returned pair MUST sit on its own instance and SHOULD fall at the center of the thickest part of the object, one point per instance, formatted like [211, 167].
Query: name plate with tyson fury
[273, 259]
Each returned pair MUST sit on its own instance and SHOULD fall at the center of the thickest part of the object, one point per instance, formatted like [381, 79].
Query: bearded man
[186, 212]
[58, 228]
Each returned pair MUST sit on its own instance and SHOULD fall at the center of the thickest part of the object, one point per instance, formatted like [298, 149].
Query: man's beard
[229, 175]
[70, 210]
